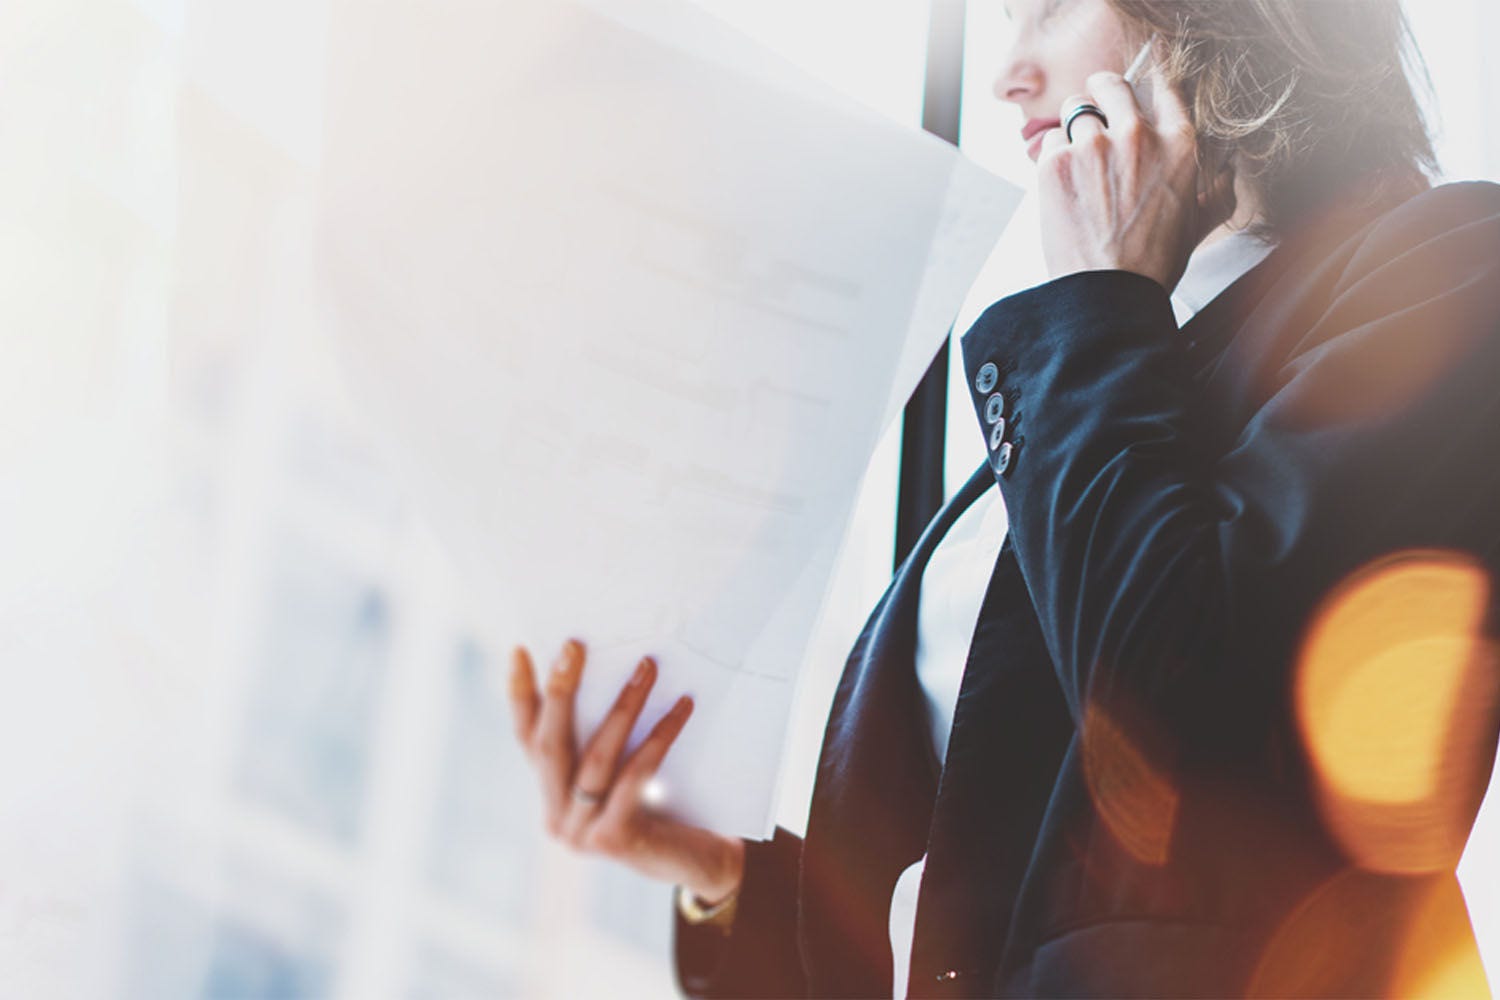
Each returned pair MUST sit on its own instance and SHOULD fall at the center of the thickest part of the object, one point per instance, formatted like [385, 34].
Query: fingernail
[684, 705]
[642, 671]
[564, 674]
[573, 657]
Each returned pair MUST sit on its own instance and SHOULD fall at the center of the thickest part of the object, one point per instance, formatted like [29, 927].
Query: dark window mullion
[919, 491]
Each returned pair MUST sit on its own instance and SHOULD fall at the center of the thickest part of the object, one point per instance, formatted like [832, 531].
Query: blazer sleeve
[759, 956]
[1168, 572]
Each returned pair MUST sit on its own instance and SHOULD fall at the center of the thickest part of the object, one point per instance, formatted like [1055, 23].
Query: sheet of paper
[632, 305]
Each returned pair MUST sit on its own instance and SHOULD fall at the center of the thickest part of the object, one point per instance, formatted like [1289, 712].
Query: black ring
[1083, 109]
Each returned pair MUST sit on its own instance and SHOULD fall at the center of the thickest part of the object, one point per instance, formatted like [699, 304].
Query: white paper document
[632, 301]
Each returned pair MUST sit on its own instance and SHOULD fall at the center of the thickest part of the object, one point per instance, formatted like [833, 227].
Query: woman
[1128, 800]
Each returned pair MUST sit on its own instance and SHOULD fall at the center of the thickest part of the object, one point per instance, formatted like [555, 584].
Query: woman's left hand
[1127, 197]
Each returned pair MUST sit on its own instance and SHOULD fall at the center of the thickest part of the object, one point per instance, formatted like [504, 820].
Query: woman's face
[1055, 45]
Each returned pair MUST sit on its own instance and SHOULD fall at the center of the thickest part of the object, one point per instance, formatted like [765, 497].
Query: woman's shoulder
[1438, 210]
[1481, 195]
[1439, 235]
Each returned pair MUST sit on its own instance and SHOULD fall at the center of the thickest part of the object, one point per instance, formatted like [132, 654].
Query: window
[334, 806]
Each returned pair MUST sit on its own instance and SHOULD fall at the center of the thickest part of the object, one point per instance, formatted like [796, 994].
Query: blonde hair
[1309, 96]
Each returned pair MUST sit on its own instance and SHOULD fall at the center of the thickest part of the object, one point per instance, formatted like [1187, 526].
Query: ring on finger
[587, 798]
[1083, 109]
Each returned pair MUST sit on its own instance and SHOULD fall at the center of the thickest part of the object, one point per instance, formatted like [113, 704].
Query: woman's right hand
[593, 800]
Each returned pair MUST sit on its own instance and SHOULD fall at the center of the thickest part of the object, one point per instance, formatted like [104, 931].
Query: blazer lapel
[873, 797]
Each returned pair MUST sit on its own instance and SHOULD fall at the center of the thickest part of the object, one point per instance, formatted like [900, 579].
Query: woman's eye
[1050, 9]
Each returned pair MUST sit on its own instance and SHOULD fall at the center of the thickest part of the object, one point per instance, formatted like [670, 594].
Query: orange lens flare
[1138, 805]
[1440, 957]
[1396, 697]
[1363, 933]
[1394, 368]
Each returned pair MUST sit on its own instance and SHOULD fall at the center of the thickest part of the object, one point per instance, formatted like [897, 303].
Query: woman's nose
[1020, 77]
[1019, 80]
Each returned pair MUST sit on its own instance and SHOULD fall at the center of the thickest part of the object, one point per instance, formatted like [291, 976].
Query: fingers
[1116, 98]
[599, 760]
[545, 723]
[1053, 140]
[525, 704]
[1173, 119]
[552, 738]
[625, 795]
[1084, 125]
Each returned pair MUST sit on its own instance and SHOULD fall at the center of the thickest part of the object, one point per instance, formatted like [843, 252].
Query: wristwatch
[720, 914]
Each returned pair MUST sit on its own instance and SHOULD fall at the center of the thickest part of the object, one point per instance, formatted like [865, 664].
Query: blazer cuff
[1035, 358]
[758, 955]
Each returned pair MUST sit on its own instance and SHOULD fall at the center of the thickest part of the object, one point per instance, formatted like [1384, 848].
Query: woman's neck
[1246, 212]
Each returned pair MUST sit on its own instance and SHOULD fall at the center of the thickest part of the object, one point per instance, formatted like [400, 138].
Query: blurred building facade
[319, 792]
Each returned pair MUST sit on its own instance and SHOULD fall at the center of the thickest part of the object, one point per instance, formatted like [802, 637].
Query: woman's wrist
[729, 872]
[713, 902]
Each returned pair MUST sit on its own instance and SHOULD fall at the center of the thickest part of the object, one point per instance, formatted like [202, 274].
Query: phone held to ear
[1145, 92]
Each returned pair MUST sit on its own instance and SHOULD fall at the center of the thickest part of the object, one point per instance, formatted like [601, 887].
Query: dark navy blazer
[1125, 805]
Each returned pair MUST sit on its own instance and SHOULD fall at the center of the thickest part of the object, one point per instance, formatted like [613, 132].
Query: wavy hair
[1308, 96]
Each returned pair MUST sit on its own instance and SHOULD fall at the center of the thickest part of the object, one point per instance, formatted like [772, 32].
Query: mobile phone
[1144, 96]
[1143, 92]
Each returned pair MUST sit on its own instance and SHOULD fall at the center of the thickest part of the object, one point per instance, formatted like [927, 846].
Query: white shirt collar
[1214, 268]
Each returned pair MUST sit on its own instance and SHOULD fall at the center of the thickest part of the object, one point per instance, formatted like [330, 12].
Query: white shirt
[958, 573]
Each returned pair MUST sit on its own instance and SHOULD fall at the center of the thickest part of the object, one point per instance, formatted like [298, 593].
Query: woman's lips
[1034, 131]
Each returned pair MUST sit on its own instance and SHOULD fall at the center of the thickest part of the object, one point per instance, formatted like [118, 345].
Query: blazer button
[994, 408]
[997, 435]
[1003, 457]
[987, 377]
